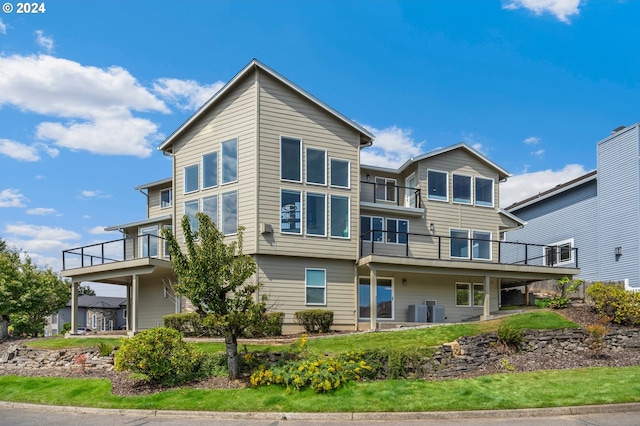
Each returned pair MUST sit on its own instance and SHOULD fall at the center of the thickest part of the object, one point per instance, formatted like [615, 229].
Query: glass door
[409, 191]
[384, 298]
[149, 241]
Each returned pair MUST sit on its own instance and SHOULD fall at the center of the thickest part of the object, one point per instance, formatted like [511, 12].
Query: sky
[89, 89]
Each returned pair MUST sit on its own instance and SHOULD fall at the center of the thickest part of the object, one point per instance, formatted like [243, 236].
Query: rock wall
[20, 356]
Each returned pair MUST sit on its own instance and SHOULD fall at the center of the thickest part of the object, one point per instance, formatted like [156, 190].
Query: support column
[128, 319]
[487, 299]
[373, 299]
[526, 294]
[74, 308]
[134, 304]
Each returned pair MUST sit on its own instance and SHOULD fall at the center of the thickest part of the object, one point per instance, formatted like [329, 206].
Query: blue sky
[88, 89]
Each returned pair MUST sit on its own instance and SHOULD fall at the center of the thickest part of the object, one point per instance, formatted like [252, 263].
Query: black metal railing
[431, 246]
[129, 248]
[400, 195]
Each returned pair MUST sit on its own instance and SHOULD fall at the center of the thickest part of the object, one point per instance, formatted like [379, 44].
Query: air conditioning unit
[417, 313]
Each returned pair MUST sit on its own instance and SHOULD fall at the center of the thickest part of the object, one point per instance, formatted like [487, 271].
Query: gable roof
[366, 137]
[503, 174]
[103, 302]
[558, 189]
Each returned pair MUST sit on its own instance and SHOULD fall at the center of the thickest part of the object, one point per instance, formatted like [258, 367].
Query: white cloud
[12, 198]
[43, 41]
[3, 27]
[42, 211]
[532, 140]
[520, 187]
[40, 232]
[392, 147]
[97, 103]
[98, 230]
[539, 153]
[185, 94]
[18, 151]
[562, 9]
[94, 194]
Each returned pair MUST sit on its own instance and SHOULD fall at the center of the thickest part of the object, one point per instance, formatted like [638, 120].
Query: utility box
[417, 313]
[438, 313]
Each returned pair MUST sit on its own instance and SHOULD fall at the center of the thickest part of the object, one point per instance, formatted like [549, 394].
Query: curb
[421, 415]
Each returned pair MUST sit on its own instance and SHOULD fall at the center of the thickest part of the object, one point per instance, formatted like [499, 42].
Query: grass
[499, 391]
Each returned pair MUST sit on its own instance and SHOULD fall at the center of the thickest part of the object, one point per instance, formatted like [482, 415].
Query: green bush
[557, 302]
[160, 354]
[271, 325]
[187, 323]
[614, 302]
[66, 328]
[105, 349]
[213, 365]
[543, 303]
[315, 320]
[510, 338]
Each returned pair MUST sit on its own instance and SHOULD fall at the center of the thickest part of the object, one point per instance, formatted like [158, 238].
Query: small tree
[85, 290]
[214, 277]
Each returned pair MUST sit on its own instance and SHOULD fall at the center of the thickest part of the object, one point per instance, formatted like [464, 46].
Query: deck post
[133, 320]
[487, 299]
[373, 301]
[74, 308]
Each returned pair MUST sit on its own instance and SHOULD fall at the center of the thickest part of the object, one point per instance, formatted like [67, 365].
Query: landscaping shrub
[105, 349]
[187, 323]
[66, 328]
[315, 320]
[271, 325]
[510, 338]
[160, 354]
[212, 365]
[614, 302]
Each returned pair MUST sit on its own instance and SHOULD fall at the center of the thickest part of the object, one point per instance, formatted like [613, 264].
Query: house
[96, 313]
[322, 228]
[598, 212]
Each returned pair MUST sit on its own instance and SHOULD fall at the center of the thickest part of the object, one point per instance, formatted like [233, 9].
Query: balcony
[145, 246]
[388, 197]
[438, 247]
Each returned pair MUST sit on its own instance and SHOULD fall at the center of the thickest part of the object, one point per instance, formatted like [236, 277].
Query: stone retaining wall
[20, 356]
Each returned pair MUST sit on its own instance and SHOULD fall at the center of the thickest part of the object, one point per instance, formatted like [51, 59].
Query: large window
[459, 243]
[290, 159]
[484, 192]
[229, 161]
[191, 178]
[340, 223]
[210, 170]
[316, 214]
[481, 245]
[210, 208]
[384, 298]
[316, 286]
[166, 198]
[368, 224]
[463, 294]
[385, 189]
[290, 211]
[340, 173]
[316, 166]
[230, 213]
[190, 210]
[397, 231]
[559, 253]
[149, 241]
[478, 295]
[462, 189]
[437, 184]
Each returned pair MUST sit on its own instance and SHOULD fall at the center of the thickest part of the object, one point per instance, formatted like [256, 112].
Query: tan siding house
[323, 229]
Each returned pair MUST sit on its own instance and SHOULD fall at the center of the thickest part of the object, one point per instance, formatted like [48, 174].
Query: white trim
[489, 241]
[306, 164]
[306, 286]
[471, 188]
[493, 192]
[300, 157]
[468, 243]
[348, 172]
[306, 213]
[300, 193]
[571, 260]
[446, 187]
[348, 216]
[408, 197]
[222, 161]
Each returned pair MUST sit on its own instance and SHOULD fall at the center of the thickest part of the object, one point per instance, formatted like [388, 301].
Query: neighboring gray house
[96, 313]
[598, 212]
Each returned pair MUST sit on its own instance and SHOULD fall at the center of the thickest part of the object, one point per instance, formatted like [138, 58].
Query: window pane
[391, 190]
[316, 214]
[392, 237]
[381, 191]
[384, 298]
[230, 213]
[437, 185]
[459, 243]
[190, 209]
[290, 211]
[364, 298]
[403, 228]
[191, 178]
[315, 286]
[290, 159]
[478, 295]
[166, 198]
[230, 161]
[481, 245]
[316, 166]
[462, 294]
[565, 252]
[461, 189]
[377, 225]
[484, 192]
[339, 173]
[210, 170]
[339, 216]
[365, 227]
[210, 208]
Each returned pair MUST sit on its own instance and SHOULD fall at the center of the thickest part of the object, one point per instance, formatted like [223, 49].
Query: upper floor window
[340, 173]
[371, 227]
[481, 245]
[397, 231]
[461, 189]
[316, 214]
[459, 243]
[229, 161]
[210, 170]
[484, 192]
[290, 211]
[385, 189]
[190, 209]
[437, 184]
[558, 253]
[476, 247]
[191, 178]
[291, 159]
[210, 208]
[316, 166]
[166, 198]
[339, 216]
[229, 214]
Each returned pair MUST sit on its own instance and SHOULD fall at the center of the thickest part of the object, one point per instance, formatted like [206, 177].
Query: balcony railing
[428, 246]
[142, 246]
[405, 196]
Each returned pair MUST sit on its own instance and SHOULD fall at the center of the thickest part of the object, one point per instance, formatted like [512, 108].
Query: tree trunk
[231, 343]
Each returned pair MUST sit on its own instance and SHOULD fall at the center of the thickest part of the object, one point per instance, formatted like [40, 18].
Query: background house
[599, 212]
[97, 313]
